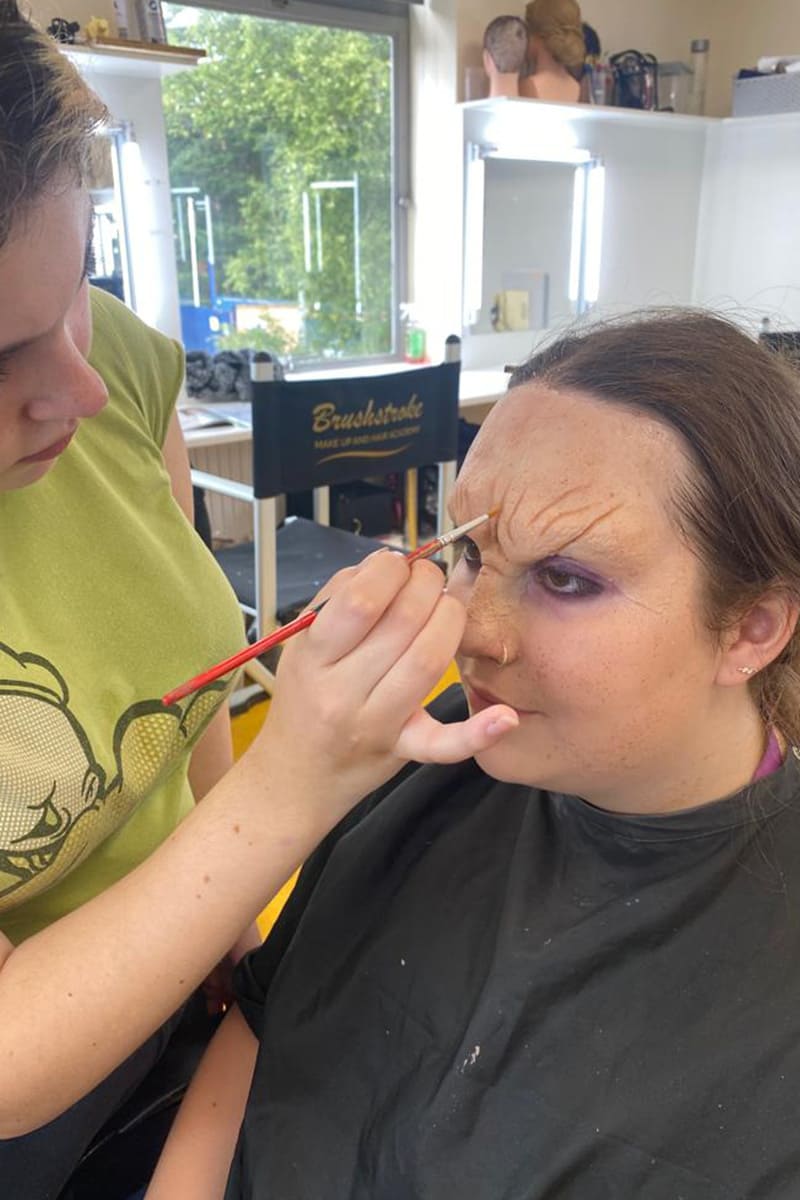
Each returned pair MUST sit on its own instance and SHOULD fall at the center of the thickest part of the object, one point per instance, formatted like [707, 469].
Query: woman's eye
[470, 554]
[560, 581]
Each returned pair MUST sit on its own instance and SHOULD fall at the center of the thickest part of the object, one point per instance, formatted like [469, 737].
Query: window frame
[388, 18]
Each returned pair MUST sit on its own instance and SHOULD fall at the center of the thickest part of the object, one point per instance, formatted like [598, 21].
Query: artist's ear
[757, 638]
[488, 62]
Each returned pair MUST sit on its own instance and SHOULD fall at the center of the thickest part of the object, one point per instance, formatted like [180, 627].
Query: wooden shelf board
[121, 56]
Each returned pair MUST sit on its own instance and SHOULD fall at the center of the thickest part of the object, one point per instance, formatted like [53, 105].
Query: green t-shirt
[108, 599]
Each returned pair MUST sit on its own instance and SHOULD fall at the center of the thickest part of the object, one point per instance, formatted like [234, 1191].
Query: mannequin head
[505, 48]
[555, 31]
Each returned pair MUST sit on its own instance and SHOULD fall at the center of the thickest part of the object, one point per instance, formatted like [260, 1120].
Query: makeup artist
[117, 895]
[569, 967]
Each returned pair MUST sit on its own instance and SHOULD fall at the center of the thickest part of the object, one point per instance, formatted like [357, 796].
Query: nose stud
[501, 662]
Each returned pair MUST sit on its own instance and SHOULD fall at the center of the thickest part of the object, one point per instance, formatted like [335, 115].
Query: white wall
[740, 34]
[748, 250]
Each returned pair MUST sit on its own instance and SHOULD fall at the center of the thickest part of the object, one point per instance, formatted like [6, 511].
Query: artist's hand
[347, 708]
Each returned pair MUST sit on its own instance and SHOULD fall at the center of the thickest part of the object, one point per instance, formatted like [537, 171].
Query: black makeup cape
[481, 991]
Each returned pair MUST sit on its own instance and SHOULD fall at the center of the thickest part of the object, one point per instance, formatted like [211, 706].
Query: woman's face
[46, 384]
[584, 584]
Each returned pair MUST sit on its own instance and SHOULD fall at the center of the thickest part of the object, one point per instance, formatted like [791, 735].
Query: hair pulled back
[558, 23]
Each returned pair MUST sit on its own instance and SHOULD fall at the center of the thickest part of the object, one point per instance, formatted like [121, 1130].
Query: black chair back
[320, 432]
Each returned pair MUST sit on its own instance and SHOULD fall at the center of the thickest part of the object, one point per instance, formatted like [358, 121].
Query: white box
[764, 94]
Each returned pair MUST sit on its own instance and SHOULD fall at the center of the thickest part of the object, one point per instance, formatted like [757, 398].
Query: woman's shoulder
[141, 367]
[119, 334]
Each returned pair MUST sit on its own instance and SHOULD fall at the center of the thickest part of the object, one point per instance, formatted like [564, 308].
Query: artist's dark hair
[47, 117]
[506, 40]
[736, 407]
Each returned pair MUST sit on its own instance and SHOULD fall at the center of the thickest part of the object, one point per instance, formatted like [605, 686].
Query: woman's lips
[52, 451]
[479, 700]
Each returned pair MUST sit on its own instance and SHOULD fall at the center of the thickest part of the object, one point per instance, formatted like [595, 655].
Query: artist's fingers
[426, 740]
[413, 676]
[342, 577]
[380, 611]
[421, 664]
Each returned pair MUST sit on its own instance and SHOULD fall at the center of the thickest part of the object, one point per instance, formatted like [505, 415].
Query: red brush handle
[272, 639]
[229, 664]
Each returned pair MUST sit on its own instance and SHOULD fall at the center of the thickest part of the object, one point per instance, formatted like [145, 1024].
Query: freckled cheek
[588, 664]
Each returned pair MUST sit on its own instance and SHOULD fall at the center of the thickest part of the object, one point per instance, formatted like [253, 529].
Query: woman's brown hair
[47, 117]
[736, 406]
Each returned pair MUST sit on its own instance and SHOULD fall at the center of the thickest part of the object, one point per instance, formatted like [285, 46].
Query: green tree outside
[277, 108]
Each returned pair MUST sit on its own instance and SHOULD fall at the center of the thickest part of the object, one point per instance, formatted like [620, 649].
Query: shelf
[116, 56]
[512, 110]
[568, 113]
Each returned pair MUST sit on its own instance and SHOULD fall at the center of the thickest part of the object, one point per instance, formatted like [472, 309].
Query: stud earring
[501, 662]
[746, 670]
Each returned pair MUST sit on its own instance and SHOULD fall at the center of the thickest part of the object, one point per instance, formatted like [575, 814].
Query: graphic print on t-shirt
[58, 802]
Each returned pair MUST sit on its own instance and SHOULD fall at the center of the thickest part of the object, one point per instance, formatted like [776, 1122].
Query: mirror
[527, 231]
[532, 230]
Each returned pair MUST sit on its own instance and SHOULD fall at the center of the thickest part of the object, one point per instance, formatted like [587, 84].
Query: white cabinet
[642, 235]
[748, 245]
[697, 211]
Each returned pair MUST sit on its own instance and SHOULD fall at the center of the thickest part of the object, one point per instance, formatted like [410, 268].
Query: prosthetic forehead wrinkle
[568, 518]
[569, 470]
[526, 533]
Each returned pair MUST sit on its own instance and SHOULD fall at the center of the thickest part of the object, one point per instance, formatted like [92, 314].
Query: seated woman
[556, 51]
[569, 966]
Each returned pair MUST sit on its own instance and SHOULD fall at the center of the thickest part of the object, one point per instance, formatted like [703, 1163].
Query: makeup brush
[307, 618]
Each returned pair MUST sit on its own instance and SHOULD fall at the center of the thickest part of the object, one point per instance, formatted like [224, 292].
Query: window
[288, 168]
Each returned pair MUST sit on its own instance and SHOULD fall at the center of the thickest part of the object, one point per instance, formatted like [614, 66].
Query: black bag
[635, 79]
